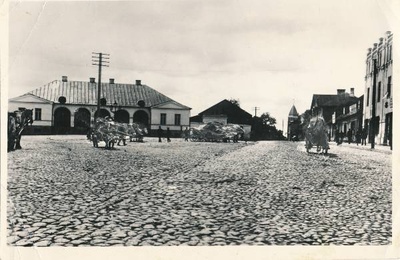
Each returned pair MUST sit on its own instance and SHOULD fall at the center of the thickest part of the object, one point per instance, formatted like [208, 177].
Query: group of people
[160, 134]
[359, 137]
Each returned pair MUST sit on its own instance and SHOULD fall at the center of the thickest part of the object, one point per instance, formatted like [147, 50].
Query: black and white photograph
[199, 130]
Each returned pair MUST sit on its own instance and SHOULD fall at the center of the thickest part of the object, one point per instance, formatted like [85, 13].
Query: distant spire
[293, 112]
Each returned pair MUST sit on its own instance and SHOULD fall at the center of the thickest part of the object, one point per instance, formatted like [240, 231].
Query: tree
[263, 128]
[235, 101]
[267, 119]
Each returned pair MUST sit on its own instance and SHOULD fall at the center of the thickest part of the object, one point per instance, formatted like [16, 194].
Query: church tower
[292, 123]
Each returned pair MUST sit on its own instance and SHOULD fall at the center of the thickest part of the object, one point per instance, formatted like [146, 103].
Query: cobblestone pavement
[64, 192]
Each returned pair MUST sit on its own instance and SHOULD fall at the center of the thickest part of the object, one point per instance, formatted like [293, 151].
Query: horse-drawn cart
[316, 135]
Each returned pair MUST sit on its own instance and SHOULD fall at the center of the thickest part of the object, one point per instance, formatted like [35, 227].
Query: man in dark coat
[168, 135]
[159, 133]
[364, 136]
[349, 136]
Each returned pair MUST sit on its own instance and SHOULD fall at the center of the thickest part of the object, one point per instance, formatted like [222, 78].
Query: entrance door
[82, 121]
[62, 120]
[121, 116]
[141, 117]
[388, 128]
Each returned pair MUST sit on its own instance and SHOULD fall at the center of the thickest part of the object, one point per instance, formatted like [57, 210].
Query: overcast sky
[267, 54]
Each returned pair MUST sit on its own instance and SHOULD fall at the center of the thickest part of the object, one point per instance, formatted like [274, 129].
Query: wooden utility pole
[98, 59]
[372, 123]
[255, 111]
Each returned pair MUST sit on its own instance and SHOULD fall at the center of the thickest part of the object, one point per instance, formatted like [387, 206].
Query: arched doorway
[81, 121]
[141, 116]
[62, 120]
[121, 116]
[103, 113]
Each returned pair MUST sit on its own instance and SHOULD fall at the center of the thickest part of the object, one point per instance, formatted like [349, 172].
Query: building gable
[171, 105]
[233, 112]
[29, 98]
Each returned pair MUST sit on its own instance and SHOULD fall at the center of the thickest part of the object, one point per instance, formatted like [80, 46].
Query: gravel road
[64, 192]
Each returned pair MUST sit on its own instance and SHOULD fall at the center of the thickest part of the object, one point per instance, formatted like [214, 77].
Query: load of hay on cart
[110, 132]
[216, 132]
[316, 135]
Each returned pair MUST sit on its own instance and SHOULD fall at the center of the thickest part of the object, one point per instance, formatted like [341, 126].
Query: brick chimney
[138, 82]
[341, 91]
[352, 92]
[92, 80]
[64, 78]
[111, 81]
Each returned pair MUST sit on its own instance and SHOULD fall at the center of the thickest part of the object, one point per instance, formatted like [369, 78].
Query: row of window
[382, 58]
[378, 96]
[163, 119]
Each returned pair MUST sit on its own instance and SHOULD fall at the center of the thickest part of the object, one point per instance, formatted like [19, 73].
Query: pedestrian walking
[337, 137]
[349, 136]
[358, 136]
[364, 136]
[168, 135]
[159, 133]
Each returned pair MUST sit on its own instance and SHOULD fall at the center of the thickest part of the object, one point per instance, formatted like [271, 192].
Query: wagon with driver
[316, 135]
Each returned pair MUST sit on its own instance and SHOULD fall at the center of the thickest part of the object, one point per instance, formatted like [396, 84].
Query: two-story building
[69, 107]
[327, 106]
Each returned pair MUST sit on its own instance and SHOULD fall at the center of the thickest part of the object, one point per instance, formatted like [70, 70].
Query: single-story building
[227, 113]
[69, 107]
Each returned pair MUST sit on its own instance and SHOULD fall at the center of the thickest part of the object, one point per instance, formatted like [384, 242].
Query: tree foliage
[235, 101]
[263, 128]
[267, 119]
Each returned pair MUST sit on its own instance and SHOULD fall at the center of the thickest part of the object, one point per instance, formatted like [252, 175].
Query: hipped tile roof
[81, 92]
[333, 100]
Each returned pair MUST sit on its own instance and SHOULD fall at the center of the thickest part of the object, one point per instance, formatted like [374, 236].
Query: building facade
[69, 107]
[227, 113]
[348, 117]
[331, 106]
[378, 105]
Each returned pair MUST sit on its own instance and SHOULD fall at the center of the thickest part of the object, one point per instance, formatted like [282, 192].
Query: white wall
[156, 117]
[46, 111]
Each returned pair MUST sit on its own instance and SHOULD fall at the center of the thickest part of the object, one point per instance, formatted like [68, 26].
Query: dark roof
[234, 113]
[80, 92]
[333, 100]
[293, 112]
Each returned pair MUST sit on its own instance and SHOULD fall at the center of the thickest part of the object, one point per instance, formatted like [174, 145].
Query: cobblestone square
[64, 192]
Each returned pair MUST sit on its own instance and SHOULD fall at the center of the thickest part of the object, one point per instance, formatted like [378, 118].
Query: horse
[17, 122]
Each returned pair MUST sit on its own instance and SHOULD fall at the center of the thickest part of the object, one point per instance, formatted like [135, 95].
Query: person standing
[159, 133]
[186, 134]
[349, 136]
[358, 136]
[364, 136]
[168, 135]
